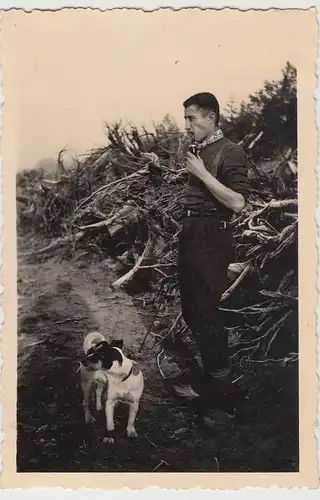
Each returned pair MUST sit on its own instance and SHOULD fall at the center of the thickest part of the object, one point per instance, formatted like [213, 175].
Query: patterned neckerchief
[215, 137]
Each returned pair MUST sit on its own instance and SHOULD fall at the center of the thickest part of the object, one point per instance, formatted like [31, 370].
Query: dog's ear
[101, 345]
[117, 343]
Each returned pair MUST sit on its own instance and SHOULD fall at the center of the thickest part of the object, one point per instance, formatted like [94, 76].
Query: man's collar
[218, 134]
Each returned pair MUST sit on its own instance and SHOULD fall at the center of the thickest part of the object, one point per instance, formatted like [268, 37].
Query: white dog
[105, 366]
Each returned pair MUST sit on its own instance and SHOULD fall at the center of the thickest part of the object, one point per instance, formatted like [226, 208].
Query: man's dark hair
[205, 101]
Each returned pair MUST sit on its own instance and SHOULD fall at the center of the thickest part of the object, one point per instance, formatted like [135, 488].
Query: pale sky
[70, 71]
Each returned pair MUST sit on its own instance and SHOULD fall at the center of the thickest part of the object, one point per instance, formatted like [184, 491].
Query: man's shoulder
[223, 152]
[226, 145]
[233, 152]
[232, 146]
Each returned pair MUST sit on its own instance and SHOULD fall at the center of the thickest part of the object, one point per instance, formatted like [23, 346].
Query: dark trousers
[205, 252]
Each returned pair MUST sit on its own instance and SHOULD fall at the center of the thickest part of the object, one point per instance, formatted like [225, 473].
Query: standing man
[217, 188]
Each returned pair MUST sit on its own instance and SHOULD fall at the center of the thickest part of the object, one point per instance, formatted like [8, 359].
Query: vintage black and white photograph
[157, 240]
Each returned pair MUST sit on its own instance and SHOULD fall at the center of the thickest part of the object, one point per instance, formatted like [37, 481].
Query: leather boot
[220, 400]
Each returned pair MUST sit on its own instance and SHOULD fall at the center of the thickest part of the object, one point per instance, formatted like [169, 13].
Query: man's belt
[207, 213]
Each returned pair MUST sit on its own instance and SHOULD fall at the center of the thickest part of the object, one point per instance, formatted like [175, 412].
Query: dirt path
[58, 302]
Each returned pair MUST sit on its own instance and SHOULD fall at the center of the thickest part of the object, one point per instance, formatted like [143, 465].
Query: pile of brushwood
[124, 202]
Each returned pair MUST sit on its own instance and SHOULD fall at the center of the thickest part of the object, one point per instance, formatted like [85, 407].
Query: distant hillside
[48, 166]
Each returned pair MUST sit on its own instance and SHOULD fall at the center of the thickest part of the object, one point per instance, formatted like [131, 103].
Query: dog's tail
[91, 340]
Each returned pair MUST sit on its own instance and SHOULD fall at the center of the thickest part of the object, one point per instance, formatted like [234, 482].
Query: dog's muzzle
[85, 361]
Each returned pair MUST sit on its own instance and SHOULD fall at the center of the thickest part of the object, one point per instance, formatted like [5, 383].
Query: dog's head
[105, 356]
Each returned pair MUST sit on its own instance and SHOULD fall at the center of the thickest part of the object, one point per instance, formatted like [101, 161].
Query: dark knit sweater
[232, 172]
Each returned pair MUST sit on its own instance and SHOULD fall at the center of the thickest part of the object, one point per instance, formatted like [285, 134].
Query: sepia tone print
[162, 262]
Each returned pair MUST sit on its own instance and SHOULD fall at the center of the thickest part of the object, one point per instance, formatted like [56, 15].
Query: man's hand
[195, 166]
[225, 195]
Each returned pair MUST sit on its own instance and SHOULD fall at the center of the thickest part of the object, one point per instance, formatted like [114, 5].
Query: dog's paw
[132, 433]
[108, 440]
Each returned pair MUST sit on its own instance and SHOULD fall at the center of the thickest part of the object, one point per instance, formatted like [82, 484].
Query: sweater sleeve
[234, 171]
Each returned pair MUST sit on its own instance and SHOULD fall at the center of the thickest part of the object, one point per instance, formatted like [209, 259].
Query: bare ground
[61, 300]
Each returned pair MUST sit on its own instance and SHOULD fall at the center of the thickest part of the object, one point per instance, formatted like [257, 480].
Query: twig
[68, 319]
[171, 329]
[238, 378]
[253, 309]
[36, 343]
[54, 245]
[278, 295]
[283, 203]
[256, 339]
[293, 356]
[159, 364]
[232, 288]
[244, 349]
[155, 266]
[146, 436]
[276, 327]
[159, 465]
[288, 214]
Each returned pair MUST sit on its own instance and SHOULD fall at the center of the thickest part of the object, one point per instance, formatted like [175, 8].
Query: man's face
[199, 123]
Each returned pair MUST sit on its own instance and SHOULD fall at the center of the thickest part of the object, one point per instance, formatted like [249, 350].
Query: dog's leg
[110, 423]
[131, 431]
[98, 397]
[89, 418]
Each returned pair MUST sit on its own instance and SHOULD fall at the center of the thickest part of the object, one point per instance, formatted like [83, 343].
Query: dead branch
[275, 328]
[55, 245]
[256, 309]
[121, 282]
[283, 203]
[124, 212]
[142, 171]
[176, 321]
[66, 320]
[255, 140]
[23, 199]
[261, 227]
[278, 295]
[233, 287]
[142, 191]
[113, 229]
[235, 269]
[50, 182]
